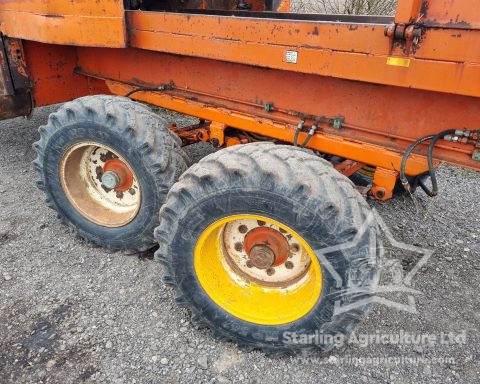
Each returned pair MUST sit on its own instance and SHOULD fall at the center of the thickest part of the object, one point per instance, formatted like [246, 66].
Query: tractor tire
[106, 164]
[223, 232]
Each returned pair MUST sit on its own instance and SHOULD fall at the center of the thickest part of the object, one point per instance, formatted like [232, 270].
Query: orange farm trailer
[264, 236]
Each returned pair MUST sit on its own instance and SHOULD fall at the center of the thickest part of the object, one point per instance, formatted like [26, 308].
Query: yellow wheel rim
[253, 294]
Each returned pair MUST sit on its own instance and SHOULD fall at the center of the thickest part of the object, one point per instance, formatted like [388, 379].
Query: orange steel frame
[371, 85]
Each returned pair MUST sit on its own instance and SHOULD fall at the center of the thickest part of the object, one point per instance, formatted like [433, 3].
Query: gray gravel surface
[70, 313]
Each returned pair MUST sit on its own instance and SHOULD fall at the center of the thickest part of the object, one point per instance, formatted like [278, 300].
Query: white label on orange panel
[291, 57]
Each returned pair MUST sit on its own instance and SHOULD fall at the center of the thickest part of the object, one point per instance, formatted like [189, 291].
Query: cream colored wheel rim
[283, 275]
[81, 171]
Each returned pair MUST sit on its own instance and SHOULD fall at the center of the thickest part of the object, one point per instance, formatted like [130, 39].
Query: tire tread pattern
[146, 131]
[287, 170]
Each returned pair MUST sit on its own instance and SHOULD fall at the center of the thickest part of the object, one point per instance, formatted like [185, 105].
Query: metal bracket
[383, 183]
[217, 133]
[405, 32]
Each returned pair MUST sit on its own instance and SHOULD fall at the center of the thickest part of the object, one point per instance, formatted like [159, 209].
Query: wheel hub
[110, 180]
[267, 246]
[100, 184]
[117, 175]
[261, 257]
[264, 253]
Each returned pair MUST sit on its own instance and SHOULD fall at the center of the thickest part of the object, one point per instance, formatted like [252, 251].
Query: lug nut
[288, 265]
[270, 271]
[294, 248]
[239, 247]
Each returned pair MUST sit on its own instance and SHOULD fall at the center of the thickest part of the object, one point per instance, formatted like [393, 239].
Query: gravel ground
[70, 313]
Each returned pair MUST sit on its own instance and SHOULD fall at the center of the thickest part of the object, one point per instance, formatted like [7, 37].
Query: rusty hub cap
[261, 256]
[264, 253]
[100, 184]
[117, 175]
[268, 244]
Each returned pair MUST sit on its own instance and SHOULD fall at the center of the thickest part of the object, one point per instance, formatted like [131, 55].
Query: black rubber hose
[421, 183]
[407, 154]
[144, 89]
[431, 170]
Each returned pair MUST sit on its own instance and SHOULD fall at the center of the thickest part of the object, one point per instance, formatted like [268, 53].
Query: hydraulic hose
[142, 89]
[310, 135]
[297, 132]
[163, 87]
[431, 170]
[407, 154]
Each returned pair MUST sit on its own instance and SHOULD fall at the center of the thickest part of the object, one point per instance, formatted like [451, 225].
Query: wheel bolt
[242, 229]
[239, 247]
[294, 248]
[270, 271]
[288, 265]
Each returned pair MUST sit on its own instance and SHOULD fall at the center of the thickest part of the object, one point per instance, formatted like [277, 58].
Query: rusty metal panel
[6, 85]
[17, 105]
[456, 14]
[15, 99]
[17, 64]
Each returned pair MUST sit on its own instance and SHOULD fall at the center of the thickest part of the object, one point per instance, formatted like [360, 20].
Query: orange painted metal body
[347, 51]
[87, 22]
[371, 85]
